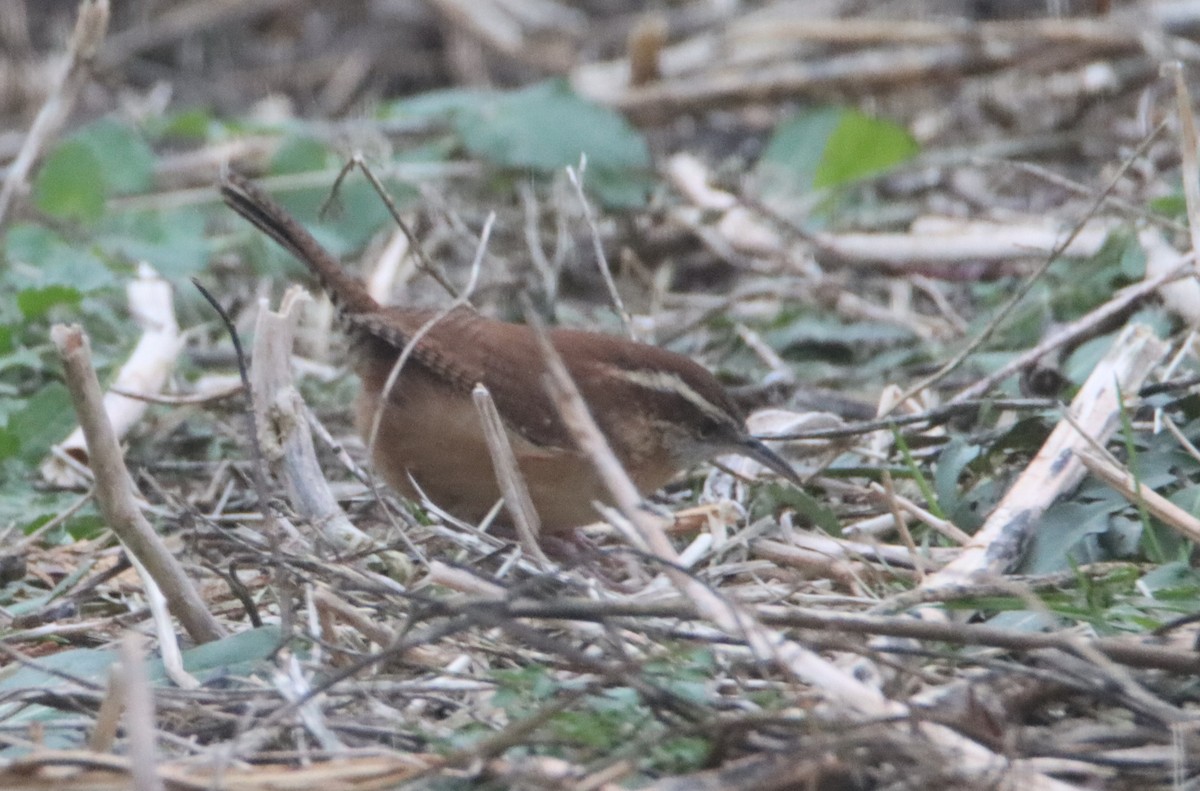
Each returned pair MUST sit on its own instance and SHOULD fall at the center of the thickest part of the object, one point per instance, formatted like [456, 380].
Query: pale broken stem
[115, 494]
[287, 441]
[939, 240]
[1187, 151]
[905, 505]
[107, 721]
[735, 619]
[1136, 492]
[293, 687]
[168, 643]
[1180, 296]
[996, 547]
[151, 302]
[508, 475]
[889, 497]
[139, 716]
[90, 28]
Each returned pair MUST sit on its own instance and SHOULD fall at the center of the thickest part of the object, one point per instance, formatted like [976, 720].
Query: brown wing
[465, 348]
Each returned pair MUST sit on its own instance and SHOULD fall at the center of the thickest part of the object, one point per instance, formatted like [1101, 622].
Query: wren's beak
[756, 449]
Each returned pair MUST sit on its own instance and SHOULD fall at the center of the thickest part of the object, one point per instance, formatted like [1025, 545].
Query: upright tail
[346, 291]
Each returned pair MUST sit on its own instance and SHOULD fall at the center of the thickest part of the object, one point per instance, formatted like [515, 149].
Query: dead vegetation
[982, 354]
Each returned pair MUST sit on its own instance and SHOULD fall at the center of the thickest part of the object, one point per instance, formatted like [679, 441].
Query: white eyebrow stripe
[666, 382]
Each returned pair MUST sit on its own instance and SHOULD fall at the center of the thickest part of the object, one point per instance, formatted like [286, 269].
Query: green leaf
[544, 128]
[951, 462]
[774, 496]
[789, 163]
[1061, 539]
[547, 127]
[37, 302]
[619, 189]
[862, 146]
[1174, 206]
[38, 257]
[299, 155]
[10, 445]
[1083, 360]
[436, 103]
[125, 160]
[174, 242]
[46, 418]
[830, 147]
[70, 184]
[192, 124]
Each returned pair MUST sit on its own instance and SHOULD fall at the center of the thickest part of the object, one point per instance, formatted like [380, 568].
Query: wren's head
[695, 418]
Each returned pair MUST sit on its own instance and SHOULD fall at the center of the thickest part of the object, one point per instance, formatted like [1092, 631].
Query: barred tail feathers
[245, 198]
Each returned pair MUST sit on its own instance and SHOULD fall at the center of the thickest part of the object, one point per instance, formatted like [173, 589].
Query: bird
[660, 411]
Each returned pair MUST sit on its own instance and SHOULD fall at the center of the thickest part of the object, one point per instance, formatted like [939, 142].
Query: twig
[259, 476]
[1187, 151]
[139, 716]
[1029, 282]
[997, 545]
[508, 474]
[90, 28]
[576, 179]
[430, 267]
[282, 417]
[114, 490]
[1076, 329]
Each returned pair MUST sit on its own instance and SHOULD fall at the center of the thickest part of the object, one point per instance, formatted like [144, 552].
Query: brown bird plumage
[660, 411]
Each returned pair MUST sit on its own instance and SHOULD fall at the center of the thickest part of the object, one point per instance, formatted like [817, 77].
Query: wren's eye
[709, 429]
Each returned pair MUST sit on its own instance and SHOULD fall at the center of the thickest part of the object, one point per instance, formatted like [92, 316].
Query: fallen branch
[114, 490]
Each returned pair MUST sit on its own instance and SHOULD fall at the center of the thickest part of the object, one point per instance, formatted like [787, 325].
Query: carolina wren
[660, 411]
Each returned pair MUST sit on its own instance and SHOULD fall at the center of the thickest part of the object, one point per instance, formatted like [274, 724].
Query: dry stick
[732, 618]
[114, 490]
[461, 300]
[1075, 330]
[935, 241]
[430, 267]
[259, 473]
[1187, 150]
[30, 766]
[933, 417]
[1119, 649]
[108, 716]
[1058, 180]
[857, 72]
[147, 369]
[508, 474]
[576, 179]
[284, 435]
[1121, 479]
[548, 271]
[997, 546]
[168, 645]
[1029, 282]
[86, 38]
[139, 716]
